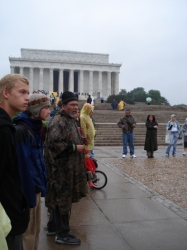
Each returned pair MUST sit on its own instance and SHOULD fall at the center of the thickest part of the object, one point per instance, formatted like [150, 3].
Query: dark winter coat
[11, 195]
[151, 136]
[65, 166]
[125, 123]
[114, 104]
[29, 144]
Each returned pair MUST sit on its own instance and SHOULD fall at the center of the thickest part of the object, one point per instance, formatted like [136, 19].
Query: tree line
[139, 95]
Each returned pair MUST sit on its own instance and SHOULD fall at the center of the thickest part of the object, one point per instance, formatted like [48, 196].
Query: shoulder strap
[30, 131]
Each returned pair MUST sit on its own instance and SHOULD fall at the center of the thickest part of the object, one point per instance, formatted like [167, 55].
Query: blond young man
[14, 97]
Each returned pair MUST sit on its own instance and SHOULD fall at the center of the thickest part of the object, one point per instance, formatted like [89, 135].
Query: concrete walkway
[121, 216]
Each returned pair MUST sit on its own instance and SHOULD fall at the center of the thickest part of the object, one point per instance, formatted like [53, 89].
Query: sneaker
[51, 233]
[184, 153]
[133, 156]
[123, 156]
[167, 155]
[174, 155]
[69, 240]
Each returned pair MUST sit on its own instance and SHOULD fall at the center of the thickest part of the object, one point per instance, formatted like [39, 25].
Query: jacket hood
[5, 119]
[86, 109]
[33, 123]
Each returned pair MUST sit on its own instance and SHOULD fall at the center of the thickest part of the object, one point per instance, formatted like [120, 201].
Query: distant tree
[180, 105]
[154, 94]
[138, 94]
[123, 92]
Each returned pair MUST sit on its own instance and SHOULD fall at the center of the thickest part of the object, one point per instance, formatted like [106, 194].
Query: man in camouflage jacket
[64, 156]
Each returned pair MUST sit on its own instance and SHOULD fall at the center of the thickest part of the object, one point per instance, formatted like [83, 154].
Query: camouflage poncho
[65, 167]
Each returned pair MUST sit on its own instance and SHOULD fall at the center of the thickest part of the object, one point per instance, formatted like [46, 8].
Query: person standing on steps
[151, 136]
[127, 124]
[89, 99]
[174, 131]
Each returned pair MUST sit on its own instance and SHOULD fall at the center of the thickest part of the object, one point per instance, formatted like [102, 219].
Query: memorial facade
[59, 71]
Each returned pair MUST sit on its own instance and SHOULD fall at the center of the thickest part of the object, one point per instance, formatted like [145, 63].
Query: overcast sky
[149, 37]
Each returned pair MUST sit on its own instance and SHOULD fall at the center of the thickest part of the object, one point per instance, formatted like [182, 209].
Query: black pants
[61, 223]
[14, 242]
[51, 223]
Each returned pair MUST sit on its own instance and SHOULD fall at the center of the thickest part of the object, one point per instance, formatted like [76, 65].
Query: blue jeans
[128, 138]
[173, 141]
[92, 153]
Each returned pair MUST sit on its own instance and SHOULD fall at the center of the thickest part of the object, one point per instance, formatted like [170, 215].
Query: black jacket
[11, 195]
[151, 136]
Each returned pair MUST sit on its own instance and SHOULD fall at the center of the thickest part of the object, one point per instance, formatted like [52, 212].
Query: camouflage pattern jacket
[65, 166]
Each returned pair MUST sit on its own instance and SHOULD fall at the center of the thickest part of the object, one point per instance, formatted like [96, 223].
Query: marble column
[12, 70]
[21, 70]
[81, 82]
[50, 81]
[100, 83]
[31, 81]
[71, 81]
[41, 79]
[108, 83]
[61, 81]
[116, 86]
[91, 83]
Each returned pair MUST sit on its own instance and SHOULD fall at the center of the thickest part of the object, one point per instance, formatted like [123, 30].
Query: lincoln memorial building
[62, 70]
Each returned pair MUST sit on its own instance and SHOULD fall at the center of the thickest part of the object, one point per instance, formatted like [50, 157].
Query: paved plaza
[126, 214]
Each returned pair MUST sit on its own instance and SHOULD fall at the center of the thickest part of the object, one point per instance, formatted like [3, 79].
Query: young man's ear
[5, 93]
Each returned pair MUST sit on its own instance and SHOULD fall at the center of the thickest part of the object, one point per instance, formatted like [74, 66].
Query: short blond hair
[8, 82]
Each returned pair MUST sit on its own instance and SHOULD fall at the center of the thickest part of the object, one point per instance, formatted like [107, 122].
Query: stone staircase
[108, 134]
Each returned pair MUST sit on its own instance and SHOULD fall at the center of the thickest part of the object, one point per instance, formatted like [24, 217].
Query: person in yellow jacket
[87, 127]
[121, 105]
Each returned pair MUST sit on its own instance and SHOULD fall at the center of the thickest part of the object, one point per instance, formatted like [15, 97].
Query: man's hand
[86, 151]
[85, 141]
[80, 148]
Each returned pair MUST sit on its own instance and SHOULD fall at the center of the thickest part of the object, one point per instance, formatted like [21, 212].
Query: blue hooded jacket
[29, 144]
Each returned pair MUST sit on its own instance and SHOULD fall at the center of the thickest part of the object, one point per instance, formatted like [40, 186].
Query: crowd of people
[58, 171]
[174, 132]
[54, 161]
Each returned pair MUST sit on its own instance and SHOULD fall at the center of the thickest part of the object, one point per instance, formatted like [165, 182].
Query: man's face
[127, 113]
[18, 96]
[44, 112]
[71, 108]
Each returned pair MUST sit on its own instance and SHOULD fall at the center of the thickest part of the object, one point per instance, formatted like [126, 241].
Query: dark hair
[149, 116]
[127, 110]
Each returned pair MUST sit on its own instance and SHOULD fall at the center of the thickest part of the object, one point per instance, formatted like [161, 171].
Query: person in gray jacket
[127, 124]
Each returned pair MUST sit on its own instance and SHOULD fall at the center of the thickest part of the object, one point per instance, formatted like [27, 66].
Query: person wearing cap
[174, 130]
[30, 137]
[64, 157]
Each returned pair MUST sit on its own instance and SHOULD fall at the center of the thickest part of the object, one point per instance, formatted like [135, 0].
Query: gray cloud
[148, 37]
